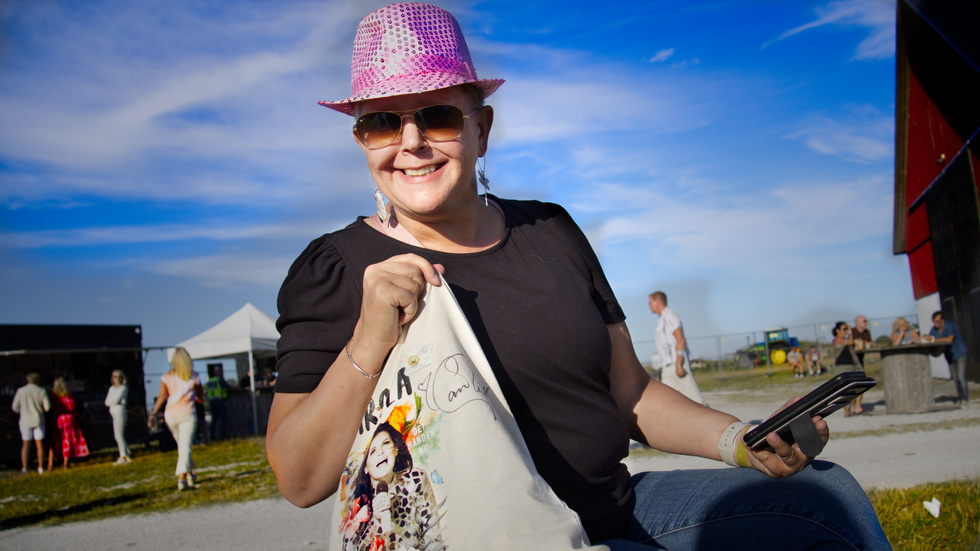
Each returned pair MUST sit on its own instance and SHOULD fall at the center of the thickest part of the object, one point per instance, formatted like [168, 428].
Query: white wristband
[728, 443]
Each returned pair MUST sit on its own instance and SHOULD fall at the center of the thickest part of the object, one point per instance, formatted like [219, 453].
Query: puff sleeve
[319, 304]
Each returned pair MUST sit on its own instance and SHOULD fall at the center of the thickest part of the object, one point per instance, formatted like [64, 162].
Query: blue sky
[163, 162]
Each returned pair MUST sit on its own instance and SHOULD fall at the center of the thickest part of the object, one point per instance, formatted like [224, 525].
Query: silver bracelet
[359, 370]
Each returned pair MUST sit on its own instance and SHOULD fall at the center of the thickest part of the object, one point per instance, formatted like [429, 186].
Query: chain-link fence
[740, 351]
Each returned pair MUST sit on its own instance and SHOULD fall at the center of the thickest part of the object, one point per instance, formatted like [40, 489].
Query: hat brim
[410, 84]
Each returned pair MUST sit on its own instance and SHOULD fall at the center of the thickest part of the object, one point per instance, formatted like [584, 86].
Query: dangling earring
[484, 181]
[379, 201]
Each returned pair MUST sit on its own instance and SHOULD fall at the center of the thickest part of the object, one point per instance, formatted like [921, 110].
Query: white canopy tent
[243, 336]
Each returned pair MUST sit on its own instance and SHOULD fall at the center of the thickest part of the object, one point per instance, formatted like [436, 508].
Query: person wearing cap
[547, 319]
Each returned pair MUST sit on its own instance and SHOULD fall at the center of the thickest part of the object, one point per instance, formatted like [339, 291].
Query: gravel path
[882, 451]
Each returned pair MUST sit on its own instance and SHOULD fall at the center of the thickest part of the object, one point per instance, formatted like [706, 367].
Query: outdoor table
[907, 376]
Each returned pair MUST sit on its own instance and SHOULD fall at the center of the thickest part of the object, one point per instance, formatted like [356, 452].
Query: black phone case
[823, 400]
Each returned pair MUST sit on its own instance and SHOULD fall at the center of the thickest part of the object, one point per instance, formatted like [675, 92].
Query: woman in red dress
[73, 443]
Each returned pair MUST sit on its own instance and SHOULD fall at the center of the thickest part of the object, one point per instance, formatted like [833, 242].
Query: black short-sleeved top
[539, 305]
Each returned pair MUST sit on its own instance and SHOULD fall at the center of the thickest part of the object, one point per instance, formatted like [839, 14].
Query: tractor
[777, 342]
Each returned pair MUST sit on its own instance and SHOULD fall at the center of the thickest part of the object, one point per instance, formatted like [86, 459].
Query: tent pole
[251, 376]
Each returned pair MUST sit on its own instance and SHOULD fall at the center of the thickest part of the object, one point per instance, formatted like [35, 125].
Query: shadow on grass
[27, 520]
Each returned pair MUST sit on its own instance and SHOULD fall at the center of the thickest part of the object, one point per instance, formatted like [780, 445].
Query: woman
[180, 389]
[846, 358]
[902, 333]
[532, 289]
[115, 400]
[389, 485]
[844, 347]
[73, 443]
[842, 334]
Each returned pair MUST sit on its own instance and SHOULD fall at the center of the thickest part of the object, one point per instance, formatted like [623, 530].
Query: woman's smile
[423, 171]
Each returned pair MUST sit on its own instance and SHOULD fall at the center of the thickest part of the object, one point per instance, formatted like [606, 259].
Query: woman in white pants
[115, 400]
[180, 388]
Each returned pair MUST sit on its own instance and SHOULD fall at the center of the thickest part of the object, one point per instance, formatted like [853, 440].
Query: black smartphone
[823, 400]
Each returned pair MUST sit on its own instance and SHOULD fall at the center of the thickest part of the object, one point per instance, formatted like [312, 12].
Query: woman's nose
[412, 137]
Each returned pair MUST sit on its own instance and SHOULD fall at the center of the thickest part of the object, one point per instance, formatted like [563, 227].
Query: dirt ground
[880, 450]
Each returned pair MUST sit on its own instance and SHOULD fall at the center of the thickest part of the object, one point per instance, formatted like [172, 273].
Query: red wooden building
[937, 212]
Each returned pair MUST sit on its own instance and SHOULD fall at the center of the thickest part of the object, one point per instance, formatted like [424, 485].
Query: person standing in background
[30, 402]
[846, 358]
[268, 378]
[947, 331]
[861, 336]
[73, 444]
[672, 347]
[180, 389]
[216, 391]
[115, 400]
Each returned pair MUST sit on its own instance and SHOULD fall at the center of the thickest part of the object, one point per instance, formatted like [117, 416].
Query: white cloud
[878, 16]
[221, 270]
[48, 131]
[864, 137]
[803, 226]
[92, 114]
[165, 233]
[662, 55]
[600, 100]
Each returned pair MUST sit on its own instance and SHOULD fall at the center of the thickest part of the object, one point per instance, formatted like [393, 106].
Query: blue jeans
[957, 368]
[821, 507]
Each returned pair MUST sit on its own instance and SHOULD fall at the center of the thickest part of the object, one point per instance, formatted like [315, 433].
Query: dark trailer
[85, 355]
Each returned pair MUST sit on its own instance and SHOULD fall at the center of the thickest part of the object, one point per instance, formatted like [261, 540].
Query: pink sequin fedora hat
[408, 48]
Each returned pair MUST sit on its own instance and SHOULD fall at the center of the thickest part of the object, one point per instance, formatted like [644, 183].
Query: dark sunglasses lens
[440, 123]
[378, 129]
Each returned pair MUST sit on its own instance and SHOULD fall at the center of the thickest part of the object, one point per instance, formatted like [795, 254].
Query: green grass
[760, 378]
[230, 471]
[910, 527]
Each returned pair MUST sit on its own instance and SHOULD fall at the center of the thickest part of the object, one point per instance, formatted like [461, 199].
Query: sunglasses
[437, 123]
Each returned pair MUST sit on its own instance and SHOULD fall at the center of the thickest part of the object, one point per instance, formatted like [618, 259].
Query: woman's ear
[485, 122]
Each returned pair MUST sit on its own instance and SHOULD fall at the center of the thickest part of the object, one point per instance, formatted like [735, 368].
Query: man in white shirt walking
[673, 351]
